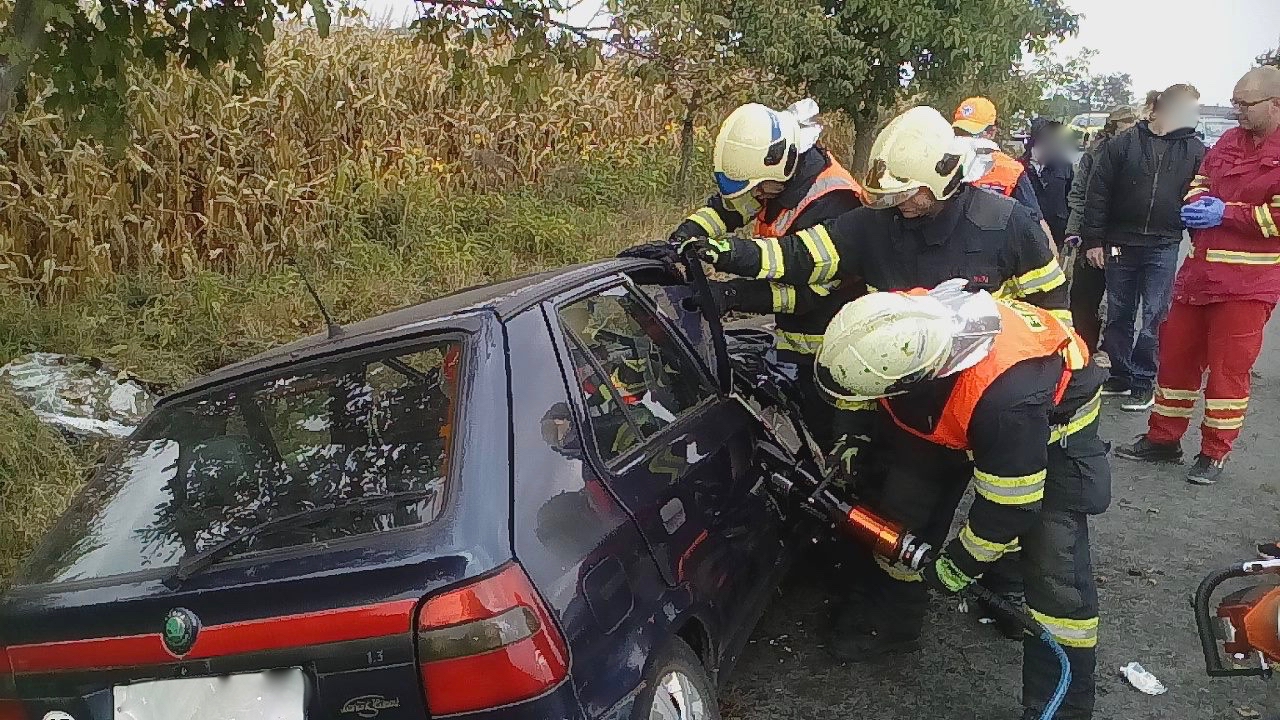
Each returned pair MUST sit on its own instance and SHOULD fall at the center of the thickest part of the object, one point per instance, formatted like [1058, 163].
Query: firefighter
[923, 226]
[1011, 385]
[772, 177]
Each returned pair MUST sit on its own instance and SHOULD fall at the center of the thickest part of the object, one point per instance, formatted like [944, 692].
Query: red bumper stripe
[275, 633]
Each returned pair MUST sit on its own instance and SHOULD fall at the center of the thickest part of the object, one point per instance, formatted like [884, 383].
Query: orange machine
[1242, 635]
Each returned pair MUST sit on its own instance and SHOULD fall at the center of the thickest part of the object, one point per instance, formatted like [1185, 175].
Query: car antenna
[332, 328]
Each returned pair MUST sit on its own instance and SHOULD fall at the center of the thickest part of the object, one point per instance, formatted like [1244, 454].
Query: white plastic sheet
[77, 395]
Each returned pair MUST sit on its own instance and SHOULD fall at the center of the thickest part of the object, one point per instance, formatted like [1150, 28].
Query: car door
[675, 453]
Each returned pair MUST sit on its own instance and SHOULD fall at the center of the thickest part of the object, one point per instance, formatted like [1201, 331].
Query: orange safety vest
[1003, 176]
[831, 179]
[1026, 332]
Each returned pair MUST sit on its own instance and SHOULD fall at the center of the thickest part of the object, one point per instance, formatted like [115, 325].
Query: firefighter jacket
[1004, 412]
[1239, 259]
[989, 240]
[821, 190]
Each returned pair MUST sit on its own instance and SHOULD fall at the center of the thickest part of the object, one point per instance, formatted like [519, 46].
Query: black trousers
[1088, 285]
[921, 491]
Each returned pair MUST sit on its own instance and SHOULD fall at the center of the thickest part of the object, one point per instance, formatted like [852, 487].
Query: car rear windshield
[211, 466]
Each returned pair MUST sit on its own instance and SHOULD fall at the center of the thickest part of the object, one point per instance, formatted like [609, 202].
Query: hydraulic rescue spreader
[1242, 637]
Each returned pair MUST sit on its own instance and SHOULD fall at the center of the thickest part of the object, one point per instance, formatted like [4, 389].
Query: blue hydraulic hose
[1064, 675]
[1042, 634]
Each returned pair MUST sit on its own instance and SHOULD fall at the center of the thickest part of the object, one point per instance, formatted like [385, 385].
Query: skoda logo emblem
[181, 626]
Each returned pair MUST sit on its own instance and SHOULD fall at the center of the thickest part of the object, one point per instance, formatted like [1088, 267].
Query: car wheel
[677, 688]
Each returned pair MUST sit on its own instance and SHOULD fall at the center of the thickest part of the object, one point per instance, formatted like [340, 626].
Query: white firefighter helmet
[755, 144]
[883, 343]
[917, 149]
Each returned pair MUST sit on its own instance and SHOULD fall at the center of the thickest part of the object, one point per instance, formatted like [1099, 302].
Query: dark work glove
[677, 238]
[707, 249]
[662, 252]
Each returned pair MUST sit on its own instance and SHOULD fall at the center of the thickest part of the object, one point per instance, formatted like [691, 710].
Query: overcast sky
[1208, 43]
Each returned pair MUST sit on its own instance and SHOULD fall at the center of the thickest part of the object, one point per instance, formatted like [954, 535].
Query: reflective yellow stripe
[1275, 201]
[1226, 404]
[1072, 633]
[1079, 420]
[981, 550]
[1242, 258]
[784, 298]
[1015, 546]
[855, 405]
[1234, 423]
[772, 264]
[1171, 394]
[798, 342]
[1266, 222]
[708, 219]
[1171, 411]
[1020, 490]
[1041, 279]
[823, 252]
[824, 289]
[1064, 316]
[898, 571]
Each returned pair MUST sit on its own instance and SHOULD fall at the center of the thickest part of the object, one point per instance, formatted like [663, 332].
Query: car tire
[677, 687]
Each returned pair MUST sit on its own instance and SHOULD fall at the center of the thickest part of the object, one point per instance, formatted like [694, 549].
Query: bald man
[1226, 289]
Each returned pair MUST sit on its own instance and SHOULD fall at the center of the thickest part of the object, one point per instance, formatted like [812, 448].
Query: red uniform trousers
[1226, 338]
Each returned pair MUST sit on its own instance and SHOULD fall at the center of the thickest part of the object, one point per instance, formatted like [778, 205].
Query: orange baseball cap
[974, 115]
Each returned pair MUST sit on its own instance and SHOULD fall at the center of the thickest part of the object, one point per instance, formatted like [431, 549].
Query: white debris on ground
[80, 396]
[1143, 680]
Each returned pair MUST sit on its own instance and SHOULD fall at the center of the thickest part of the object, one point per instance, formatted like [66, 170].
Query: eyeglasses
[1243, 105]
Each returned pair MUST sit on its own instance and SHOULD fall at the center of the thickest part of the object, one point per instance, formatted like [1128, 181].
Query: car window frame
[623, 462]
[382, 349]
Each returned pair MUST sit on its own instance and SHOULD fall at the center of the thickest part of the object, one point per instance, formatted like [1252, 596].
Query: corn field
[219, 179]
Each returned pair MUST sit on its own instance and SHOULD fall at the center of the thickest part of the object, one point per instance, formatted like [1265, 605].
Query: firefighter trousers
[1223, 337]
[1055, 560]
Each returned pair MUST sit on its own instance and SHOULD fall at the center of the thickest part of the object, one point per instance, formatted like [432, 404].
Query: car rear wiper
[201, 561]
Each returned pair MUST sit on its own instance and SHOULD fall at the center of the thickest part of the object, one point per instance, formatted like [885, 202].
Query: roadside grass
[415, 244]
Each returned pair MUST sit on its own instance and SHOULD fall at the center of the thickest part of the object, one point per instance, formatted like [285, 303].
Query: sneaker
[1115, 387]
[1139, 401]
[1205, 471]
[1147, 451]
[1269, 551]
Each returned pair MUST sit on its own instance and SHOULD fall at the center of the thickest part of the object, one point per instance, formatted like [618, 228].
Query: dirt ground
[1151, 549]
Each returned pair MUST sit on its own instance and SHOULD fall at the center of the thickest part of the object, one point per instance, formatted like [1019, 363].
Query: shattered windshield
[209, 467]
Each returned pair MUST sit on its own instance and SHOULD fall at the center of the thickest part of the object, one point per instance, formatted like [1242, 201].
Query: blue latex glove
[1203, 213]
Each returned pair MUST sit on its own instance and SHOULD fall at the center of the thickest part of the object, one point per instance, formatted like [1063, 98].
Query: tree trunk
[680, 189]
[864, 124]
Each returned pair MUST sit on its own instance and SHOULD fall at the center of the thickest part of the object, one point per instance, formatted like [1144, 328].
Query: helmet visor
[729, 187]
[884, 201]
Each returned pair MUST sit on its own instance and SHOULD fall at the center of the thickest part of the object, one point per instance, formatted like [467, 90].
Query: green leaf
[323, 18]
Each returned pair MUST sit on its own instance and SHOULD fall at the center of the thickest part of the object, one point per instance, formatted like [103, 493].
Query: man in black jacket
[1050, 171]
[1132, 224]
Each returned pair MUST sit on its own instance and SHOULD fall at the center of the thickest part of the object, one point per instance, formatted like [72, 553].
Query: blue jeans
[1141, 275]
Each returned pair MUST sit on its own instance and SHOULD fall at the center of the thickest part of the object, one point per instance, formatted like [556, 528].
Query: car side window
[635, 378]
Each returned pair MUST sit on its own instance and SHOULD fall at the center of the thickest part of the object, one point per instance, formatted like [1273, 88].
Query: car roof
[501, 299]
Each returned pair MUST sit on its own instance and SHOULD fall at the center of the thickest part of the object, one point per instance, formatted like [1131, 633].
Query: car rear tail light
[488, 644]
[10, 706]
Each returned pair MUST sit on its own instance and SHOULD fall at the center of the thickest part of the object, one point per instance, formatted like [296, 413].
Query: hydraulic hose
[1033, 626]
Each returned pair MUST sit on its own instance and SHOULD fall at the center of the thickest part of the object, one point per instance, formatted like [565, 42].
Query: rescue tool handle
[1213, 663]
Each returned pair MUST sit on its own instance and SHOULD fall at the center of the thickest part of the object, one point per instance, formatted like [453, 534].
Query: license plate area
[269, 695]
